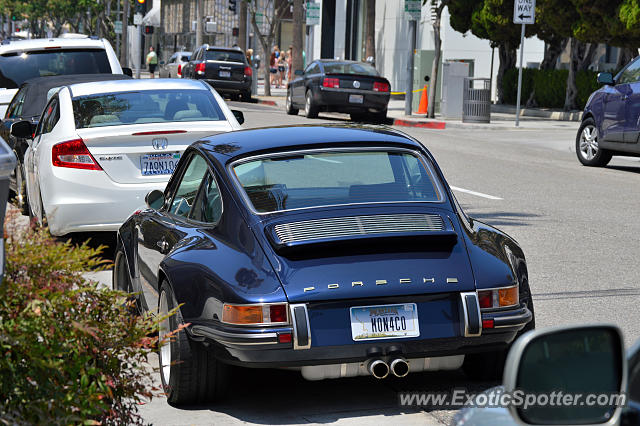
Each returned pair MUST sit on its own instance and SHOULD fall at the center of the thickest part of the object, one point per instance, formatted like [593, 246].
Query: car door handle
[163, 245]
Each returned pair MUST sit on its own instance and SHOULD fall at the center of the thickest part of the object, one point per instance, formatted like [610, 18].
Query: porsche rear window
[314, 179]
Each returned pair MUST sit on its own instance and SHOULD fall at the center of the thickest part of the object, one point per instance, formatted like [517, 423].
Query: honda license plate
[225, 74]
[356, 99]
[159, 164]
[384, 322]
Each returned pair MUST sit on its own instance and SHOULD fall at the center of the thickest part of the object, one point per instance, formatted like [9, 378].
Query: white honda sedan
[100, 147]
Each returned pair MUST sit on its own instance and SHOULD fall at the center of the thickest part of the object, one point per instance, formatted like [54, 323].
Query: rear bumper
[260, 348]
[337, 100]
[226, 86]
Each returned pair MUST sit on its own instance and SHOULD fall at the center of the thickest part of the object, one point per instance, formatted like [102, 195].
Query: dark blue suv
[611, 119]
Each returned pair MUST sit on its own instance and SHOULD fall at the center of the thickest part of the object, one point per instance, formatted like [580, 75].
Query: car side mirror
[127, 71]
[154, 199]
[568, 362]
[298, 72]
[161, 62]
[605, 78]
[239, 115]
[22, 129]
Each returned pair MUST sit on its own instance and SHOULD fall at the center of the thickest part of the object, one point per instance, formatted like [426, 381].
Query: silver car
[172, 68]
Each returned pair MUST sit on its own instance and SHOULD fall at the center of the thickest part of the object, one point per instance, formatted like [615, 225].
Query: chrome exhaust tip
[378, 369]
[400, 367]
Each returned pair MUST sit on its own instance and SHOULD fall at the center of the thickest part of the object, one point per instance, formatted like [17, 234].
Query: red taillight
[179, 70]
[485, 299]
[284, 338]
[278, 313]
[247, 71]
[331, 82]
[73, 154]
[200, 67]
[380, 86]
[488, 323]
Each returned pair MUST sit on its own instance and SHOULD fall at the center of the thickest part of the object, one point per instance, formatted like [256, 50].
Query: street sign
[117, 27]
[313, 13]
[412, 9]
[137, 19]
[259, 18]
[524, 11]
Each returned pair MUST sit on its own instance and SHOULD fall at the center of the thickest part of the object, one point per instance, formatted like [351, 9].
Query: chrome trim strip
[438, 186]
[219, 336]
[465, 311]
[295, 326]
[510, 325]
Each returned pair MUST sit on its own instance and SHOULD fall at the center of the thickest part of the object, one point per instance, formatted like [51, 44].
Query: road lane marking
[477, 194]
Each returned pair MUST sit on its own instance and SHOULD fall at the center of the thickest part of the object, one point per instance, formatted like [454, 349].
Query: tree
[370, 30]
[437, 7]
[298, 25]
[272, 13]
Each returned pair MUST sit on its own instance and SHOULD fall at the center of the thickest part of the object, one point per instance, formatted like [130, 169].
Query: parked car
[225, 68]
[26, 59]
[572, 363]
[173, 67]
[100, 147]
[342, 86]
[335, 250]
[28, 104]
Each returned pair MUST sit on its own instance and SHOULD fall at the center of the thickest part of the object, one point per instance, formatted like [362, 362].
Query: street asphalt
[578, 227]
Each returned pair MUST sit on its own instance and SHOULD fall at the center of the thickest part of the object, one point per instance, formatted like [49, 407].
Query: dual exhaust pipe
[379, 369]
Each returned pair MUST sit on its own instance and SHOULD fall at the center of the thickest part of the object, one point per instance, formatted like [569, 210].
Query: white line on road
[477, 194]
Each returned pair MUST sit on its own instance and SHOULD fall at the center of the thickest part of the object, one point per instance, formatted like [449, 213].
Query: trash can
[476, 100]
[7, 165]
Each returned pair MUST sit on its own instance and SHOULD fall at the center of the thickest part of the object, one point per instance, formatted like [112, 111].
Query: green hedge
[550, 86]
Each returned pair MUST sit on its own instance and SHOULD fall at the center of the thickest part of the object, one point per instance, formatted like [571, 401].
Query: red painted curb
[440, 125]
[265, 102]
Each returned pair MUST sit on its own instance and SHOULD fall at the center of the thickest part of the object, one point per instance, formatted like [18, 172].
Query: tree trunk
[298, 25]
[370, 30]
[588, 53]
[552, 51]
[242, 26]
[507, 56]
[433, 82]
[577, 53]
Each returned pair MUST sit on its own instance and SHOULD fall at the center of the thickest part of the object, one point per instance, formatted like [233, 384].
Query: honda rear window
[17, 67]
[314, 179]
[224, 55]
[147, 106]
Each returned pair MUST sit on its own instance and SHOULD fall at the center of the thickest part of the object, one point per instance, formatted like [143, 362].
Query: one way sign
[524, 11]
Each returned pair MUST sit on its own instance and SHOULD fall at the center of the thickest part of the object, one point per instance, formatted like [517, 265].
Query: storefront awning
[152, 17]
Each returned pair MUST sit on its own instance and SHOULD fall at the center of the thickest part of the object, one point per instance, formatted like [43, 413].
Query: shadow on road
[502, 218]
[95, 239]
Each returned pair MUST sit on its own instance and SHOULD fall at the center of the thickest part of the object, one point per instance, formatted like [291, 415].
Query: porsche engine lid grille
[349, 226]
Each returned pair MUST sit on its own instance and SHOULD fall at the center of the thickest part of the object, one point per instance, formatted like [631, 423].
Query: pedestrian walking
[273, 65]
[289, 62]
[152, 62]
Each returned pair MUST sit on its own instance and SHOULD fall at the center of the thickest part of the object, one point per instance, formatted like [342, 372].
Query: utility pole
[198, 24]
[118, 35]
[124, 59]
[408, 97]
[243, 38]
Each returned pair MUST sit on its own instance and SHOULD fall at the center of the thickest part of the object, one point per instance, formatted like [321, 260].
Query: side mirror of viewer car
[154, 199]
[605, 78]
[568, 361]
[239, 115]
[22, 129]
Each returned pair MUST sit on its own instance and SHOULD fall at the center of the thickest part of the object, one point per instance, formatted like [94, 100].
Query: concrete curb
[440, 125]
[268, 102]
[539, 112]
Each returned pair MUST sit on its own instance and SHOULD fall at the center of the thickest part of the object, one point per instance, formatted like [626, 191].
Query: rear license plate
[356, 99]
[224, 73]
[384, 322]
[158, 164]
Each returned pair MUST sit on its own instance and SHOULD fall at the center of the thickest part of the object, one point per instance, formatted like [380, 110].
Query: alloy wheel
[307, 105]
[589, 142]
[164, 341]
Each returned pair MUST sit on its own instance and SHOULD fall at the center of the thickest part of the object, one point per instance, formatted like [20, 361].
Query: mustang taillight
[333, 83]
[200, 68]
[498, 298]
[380, 86]
[247, 71]
[73, 154]
[179, 70]
[259, 314]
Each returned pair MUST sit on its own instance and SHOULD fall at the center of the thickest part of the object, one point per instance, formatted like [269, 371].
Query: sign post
[412, 12]
[524, 12]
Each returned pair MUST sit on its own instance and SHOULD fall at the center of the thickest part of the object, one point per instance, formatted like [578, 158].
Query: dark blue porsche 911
[336, 250]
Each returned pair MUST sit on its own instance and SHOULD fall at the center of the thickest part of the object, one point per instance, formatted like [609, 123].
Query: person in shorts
[152, 62]
[273, 65]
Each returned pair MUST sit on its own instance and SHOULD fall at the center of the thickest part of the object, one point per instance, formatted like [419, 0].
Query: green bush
[550, 86]
[70, 351]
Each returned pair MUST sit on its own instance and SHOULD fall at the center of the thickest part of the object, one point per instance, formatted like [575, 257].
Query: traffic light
[148, 29]
[141, 6]
[232, 5]
[14, 17]
[235, 31]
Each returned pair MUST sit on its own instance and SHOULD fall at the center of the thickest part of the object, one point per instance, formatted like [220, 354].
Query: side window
[44, 118]
[631, 74]
[309, 69]
[208, 205]
[172, 60]
[185, 195]
[53, 118]
[15, 107]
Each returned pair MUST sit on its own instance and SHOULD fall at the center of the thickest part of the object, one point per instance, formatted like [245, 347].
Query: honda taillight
[200, 68]
[331, 82]
[247, 71]
[73, 154]
[380, 86]
[179, 70]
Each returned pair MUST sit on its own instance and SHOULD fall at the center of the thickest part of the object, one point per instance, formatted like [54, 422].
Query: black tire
[192, 375]
[235, 97]
[357, 116]
[381, 117]
[21, 190]
[289, 108]
[310, 110]
[121, 279]
[587, 149]
[246, 96]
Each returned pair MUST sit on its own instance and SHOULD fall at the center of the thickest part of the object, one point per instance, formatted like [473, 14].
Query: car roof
[38, 88]
[227, 147]
[233, 49]
[42, 43]
[94, 88]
